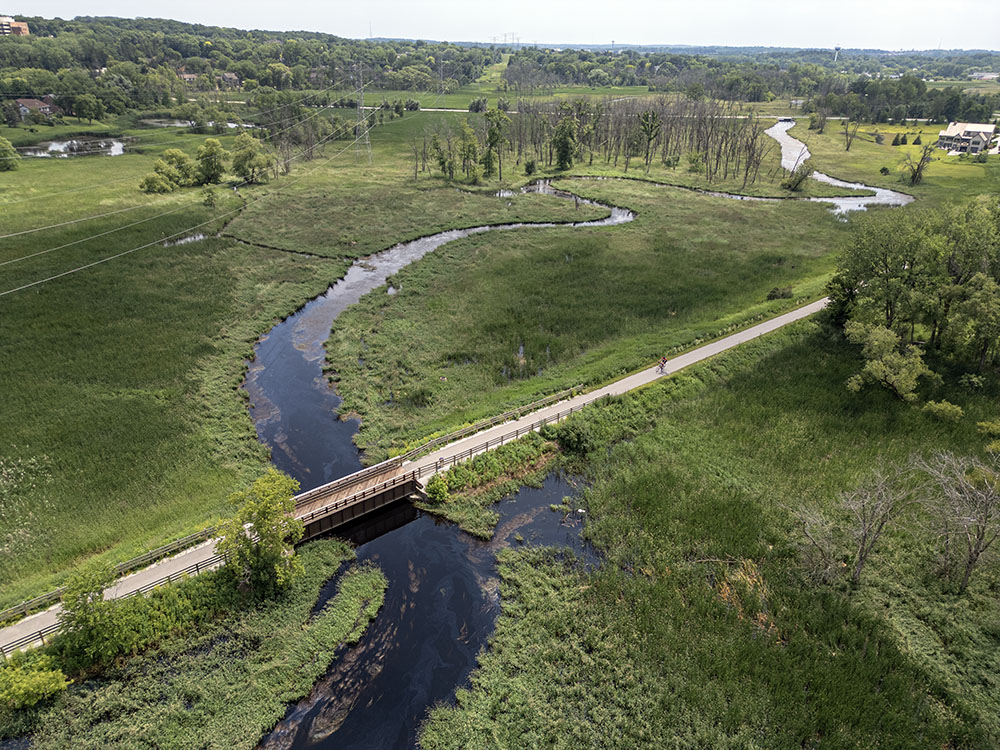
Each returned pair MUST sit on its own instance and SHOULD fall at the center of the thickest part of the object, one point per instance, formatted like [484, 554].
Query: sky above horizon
[891, 24]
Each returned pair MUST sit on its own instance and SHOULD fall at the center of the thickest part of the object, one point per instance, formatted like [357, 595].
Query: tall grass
[700, 629]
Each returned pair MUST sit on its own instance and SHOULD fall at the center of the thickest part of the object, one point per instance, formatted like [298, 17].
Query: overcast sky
[885, 24]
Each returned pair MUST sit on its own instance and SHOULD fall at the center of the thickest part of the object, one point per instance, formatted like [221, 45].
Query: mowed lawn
[499, 319]
[700, 627]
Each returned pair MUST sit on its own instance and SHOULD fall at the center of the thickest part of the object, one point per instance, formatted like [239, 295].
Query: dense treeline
[922, 282]
[142, 56]
[846, 92]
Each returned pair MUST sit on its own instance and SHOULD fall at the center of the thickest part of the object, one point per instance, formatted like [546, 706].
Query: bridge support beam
[339, 517]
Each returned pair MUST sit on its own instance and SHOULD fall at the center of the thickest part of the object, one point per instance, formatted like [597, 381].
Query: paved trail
[204, 552]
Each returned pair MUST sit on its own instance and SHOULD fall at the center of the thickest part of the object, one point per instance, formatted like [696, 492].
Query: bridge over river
[333, 504]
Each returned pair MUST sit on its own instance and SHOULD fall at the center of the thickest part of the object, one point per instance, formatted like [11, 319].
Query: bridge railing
[410, 476]
[40, 635]
[358, 477]
[46, 600]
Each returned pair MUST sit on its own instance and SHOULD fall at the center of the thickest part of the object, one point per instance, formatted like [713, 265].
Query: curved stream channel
[443, 597]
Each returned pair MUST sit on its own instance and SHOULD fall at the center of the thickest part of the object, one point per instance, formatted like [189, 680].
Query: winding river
[794, 152]
[443, 596]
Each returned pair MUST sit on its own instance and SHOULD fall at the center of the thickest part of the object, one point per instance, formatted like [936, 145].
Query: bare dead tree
[915, 167]
[819, 544]
[872, 507]
[850, 132]
[962, 498]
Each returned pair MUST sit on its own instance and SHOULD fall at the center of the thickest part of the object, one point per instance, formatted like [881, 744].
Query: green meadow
[700, 627]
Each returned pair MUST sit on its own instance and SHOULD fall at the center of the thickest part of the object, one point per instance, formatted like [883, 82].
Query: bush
[943, 410]
[797, 176]
[437, 489]
[478, 105]
[575, 437]
[530, 167]
[28, 678]
[156, 183]
[780, 292]
[412, 105]
[917, 141]
[884, 171]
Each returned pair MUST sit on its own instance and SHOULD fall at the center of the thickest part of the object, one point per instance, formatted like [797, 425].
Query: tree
[11, 114]
[258, 540]
[86, 616]
[156, 183]
[250, 161]
[89, 106]
[895, 140]
[181, 170]
[649, 123]
[850, 132]
[497, 123]
[916, 167]
[798, 176]
[887, 363]
[872, 507]
[962, 498]
[977, 318]
[212, 158]
[9, 158]
[564, 142]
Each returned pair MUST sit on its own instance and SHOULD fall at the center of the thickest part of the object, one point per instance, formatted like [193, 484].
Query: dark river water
[443, 599]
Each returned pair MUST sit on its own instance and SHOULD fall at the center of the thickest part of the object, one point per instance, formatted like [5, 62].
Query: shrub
[437, 489]
[412, 105]
[530, 167]
[156, 183]
[780, 292]
[575, 437]
[943, 410]
[972, 382]
[917, 141]
[989, 429]
[478, 105]
[884, 171]
[28, 678]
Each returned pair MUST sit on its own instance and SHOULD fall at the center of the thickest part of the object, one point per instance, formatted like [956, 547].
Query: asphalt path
[203, 553]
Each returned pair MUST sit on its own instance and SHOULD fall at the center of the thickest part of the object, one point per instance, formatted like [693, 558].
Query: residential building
[10, 27]
[27, 106]
[966, 137]
[229, 80]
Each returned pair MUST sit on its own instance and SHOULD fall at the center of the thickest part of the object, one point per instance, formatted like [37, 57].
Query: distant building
[985, 76]
[10, 27]
[966, 137]
[27, 106]
[229, 80]
[188, 77]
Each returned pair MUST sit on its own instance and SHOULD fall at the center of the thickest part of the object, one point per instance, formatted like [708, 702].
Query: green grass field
[495, 320]
[947, 179]
[123, 422]
[700, 629]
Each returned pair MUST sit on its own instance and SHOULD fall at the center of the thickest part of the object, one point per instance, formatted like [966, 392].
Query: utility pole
[362, 126]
